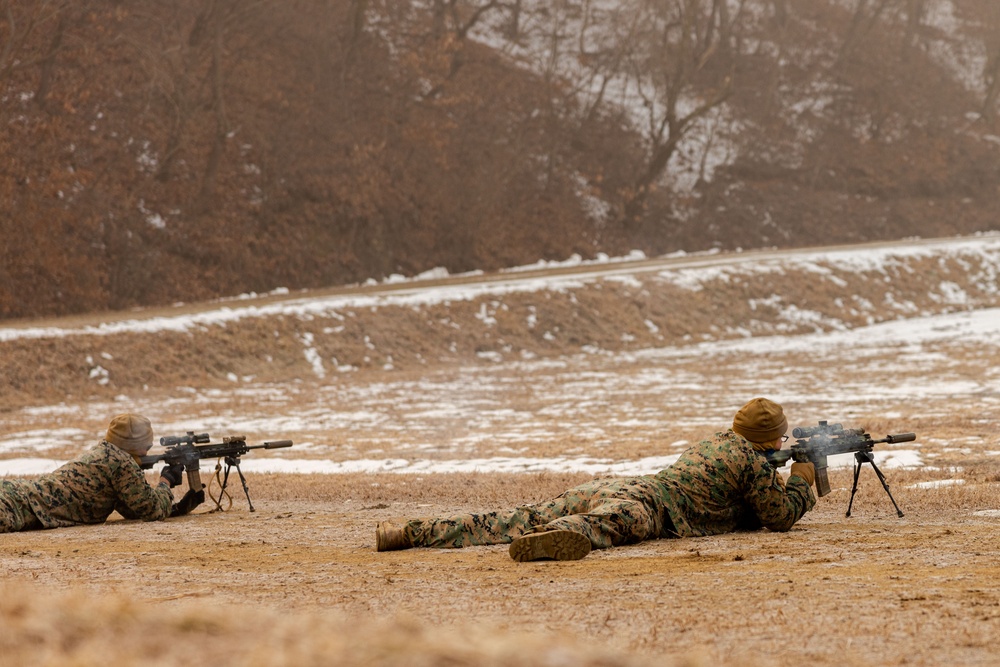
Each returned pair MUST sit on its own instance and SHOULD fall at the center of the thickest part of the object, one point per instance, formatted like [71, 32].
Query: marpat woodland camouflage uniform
[717, 486]
[720, 485]
[84, 491]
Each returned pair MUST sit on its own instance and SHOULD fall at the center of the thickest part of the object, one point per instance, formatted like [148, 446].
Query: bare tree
[865, 18]
[682, 69]
[217, 85]
[188, 69]
[991, 77]
[991, 67]
[48, 61]
[658, 66]
[21, 23]
[355, 29]
[513, 27]
[915, 12]
[437, 34]
[780, 8]
[171, 63]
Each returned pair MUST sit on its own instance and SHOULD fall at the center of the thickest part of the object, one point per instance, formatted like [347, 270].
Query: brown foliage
[156, 152]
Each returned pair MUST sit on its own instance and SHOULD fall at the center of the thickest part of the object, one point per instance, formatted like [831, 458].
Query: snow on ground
[691, 271]
[595, 411]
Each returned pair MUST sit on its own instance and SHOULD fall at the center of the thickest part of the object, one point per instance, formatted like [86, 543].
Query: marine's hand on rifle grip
[173, 473]
[805, 470]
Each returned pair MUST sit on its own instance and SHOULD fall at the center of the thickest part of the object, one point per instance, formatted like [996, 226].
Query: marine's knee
[630, 517]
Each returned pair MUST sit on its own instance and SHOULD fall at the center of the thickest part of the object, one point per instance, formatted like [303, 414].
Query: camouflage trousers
[15, 513]
[609, 512]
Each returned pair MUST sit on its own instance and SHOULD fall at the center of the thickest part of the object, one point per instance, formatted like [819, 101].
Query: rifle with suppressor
[816, 443]
[189, 449]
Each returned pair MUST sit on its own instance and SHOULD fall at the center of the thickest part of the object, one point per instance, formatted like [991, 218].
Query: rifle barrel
[275, 444]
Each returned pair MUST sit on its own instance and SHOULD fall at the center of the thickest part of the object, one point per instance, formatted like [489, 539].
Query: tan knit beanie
[130, 432]
[761, 420]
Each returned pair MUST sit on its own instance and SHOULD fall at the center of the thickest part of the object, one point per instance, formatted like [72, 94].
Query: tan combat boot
[552, 545]
[390, 537]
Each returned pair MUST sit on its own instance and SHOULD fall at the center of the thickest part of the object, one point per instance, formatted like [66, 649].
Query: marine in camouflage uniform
[105, 479]
[720, 485]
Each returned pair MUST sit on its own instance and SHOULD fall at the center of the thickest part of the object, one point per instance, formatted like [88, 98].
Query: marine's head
[132, 433]
[761, 422]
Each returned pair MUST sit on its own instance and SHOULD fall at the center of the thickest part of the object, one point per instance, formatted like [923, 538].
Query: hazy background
[154, 152]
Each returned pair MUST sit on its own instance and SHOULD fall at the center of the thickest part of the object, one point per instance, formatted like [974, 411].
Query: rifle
[816, 443]
[191, 448]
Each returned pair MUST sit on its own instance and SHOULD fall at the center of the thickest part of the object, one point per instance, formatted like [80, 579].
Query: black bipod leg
[222, 488]
[868, 457]
[857, 471]
[234, 461]
[885, 485]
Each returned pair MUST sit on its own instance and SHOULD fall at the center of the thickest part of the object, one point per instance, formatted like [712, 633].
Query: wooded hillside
[152, 152]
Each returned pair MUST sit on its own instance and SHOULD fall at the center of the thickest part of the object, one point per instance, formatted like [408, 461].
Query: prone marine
[720, 485]
[105, 479]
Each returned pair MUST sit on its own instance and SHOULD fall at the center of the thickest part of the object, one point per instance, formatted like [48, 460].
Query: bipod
[233, 461]
[868, 457]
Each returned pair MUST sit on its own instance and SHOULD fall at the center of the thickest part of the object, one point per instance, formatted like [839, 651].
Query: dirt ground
[874, 589]
[298, 582]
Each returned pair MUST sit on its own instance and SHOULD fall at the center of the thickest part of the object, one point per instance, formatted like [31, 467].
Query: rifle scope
[802, 432]
[190, 439]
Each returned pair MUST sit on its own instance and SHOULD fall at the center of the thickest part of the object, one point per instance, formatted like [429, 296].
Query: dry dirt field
[298, 582]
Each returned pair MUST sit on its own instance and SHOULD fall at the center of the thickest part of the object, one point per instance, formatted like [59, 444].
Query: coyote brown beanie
[760, 421]
[132, 433]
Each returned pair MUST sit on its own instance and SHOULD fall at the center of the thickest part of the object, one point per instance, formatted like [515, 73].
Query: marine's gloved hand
[804, 469]
[190, 500]
[173, 473]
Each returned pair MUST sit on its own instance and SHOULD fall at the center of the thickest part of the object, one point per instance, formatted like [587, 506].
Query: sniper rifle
[817, 443]
[189, 449]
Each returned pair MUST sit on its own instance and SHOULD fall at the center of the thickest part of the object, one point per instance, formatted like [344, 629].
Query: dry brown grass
[39, 629]
[472, 490]
[299, 583]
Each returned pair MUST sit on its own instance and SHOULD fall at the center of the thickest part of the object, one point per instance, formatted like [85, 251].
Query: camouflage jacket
[90, 488]
[722, 484]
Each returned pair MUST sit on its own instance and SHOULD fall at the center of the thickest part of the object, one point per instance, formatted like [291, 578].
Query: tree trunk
[221, 125]
[48, 64]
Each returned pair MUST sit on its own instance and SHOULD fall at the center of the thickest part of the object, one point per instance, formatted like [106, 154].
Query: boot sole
[389, 537]
[381, 544]
[553, 545]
